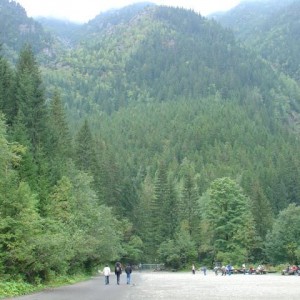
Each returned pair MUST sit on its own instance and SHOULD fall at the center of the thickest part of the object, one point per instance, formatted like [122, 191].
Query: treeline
[53, 220]
[176, 152]
[210, 182]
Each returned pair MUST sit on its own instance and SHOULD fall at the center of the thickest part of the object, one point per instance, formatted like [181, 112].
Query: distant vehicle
[291, 270]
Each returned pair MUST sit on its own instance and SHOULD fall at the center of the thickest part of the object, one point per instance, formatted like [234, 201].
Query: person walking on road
[106, 273]
[193, 269]
[128, 271]
[118, 271]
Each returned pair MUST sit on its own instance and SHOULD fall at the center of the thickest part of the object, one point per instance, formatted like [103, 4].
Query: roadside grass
[20, 288]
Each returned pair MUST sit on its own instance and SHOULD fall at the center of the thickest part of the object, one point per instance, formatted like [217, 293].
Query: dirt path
[179, 286]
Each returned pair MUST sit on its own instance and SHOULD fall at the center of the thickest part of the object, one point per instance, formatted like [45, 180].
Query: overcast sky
[85, 10]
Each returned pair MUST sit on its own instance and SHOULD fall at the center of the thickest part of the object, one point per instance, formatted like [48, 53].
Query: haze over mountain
[271, 28]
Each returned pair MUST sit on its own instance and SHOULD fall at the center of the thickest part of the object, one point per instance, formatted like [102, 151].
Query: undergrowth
[18, 288]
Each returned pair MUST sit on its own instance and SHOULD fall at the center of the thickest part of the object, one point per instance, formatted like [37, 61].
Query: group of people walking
[118, 272]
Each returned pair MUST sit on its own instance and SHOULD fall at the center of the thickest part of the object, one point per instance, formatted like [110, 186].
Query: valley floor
[173, 286]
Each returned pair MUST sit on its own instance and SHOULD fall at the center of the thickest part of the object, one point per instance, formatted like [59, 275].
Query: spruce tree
[30, 99]
[7, 101]
[59, 148]
[85, 156]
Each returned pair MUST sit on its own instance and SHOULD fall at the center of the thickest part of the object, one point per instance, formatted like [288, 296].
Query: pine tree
[85, 156]
[30, 99]
[261, 210]
[158, 206]
[7, 101]
[189, 197]
[143, 213]
[59, 148]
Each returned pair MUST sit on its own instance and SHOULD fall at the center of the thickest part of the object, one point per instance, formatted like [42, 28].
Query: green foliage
[180, 251]
[282, 243]
[59, 144]
[133, 249]
[227, 213]
[11, 289]
[7, 103]
[29, 93]
[14, 19]
[163, 113]
[271, 29]
[20, 225]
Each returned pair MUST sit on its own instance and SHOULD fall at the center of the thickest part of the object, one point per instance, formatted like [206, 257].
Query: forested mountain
[271, 28]
[17, 29]
[65, 31]
[159, 54]
[154, 135]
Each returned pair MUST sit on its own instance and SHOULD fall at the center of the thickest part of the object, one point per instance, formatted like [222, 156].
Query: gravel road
[175, 286]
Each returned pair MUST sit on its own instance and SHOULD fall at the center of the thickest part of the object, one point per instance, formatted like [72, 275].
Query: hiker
[244, 268]
[106, 273]
[128, 271]
[118, 271]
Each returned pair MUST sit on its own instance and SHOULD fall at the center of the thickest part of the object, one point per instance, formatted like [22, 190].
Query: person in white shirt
[106, 272]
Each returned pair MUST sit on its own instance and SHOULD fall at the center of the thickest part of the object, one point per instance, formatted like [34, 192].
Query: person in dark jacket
[118, 271]
[128, 271]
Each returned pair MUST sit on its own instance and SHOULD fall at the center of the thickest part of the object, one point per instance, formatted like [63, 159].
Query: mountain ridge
[153, 53]
[271, 29]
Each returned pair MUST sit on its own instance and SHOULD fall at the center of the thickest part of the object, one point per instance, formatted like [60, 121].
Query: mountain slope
[17, 29]
[65, 31]
[161, 54]
[272, 29]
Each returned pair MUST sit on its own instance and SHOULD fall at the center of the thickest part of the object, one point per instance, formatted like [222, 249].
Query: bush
[10, 289]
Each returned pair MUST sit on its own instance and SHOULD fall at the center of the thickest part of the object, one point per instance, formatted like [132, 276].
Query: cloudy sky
[85, 10]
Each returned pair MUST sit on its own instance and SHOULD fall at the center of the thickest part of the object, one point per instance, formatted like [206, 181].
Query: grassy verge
[18, 288]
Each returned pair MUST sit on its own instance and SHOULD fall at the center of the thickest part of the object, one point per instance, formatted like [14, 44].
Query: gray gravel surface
[173, 286]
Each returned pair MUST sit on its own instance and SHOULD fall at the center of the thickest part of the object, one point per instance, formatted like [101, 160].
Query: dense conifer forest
[149, 134]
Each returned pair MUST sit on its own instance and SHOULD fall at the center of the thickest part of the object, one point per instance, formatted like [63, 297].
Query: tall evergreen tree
[189, 198]
[143, 215]
[261, 210]
[29, 93]
[7, 101]
[158, 209]
[85, 156]
[59, 148]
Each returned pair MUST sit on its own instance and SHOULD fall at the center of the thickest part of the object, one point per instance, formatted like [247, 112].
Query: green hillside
[162, 54]
[17, 29]
[271, 28]
[151, 134]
